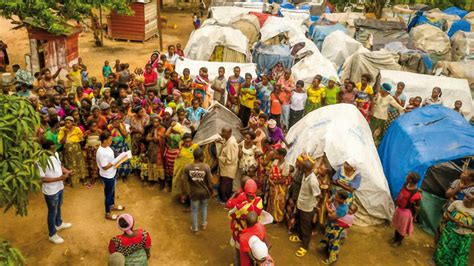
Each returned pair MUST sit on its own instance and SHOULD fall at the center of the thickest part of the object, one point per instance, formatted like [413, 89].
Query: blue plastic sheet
[420, 19]
[423, 138]
[455, 11]
[459, 25]
[319, 33]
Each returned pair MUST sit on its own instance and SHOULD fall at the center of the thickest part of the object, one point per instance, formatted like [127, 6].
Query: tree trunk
[159, 4]
[379, 5]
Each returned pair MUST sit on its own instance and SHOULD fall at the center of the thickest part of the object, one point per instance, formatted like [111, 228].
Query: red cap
[250, 187]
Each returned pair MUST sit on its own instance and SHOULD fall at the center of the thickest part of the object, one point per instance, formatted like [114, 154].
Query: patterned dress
[279, 172]
[92, 144]
[118, 146]
[133, 248]
[155, 154]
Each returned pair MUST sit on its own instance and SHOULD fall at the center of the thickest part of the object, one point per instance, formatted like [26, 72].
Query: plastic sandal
[295, 239]
[118, 208]
[111, 217]
[326, 262]
[301, 252]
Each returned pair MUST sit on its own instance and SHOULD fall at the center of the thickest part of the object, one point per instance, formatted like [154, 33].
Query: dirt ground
[86, 242]
[173, 244]
[135, 54]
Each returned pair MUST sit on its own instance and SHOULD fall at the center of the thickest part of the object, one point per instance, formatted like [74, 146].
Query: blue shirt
[106, 70]
[353, 181]
[195, 115]
[402, 97]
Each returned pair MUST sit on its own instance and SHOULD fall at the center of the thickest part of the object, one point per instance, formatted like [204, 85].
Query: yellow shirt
[315, 95]
[74, 136]
[76, 79]
[247, 96]
[368, 89]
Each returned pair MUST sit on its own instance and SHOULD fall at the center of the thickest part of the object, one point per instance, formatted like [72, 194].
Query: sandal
[295, 239]
[118, 208]
[194, 232]
[326, 262]
[111, 217]
[204, 226]
[301, 252]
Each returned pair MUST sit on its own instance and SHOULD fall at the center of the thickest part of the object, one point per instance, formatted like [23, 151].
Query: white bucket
[6, 78]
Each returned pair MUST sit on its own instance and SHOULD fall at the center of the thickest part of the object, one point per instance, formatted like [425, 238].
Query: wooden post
[160, 33]
[101, 26]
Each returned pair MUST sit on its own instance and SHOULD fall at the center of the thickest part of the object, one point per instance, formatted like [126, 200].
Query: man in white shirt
[52, 178]
[105, 162]
[306, 205]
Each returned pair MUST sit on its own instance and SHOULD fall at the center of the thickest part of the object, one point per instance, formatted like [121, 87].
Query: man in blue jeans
[197, 184]
[105, 162]
[52, 178]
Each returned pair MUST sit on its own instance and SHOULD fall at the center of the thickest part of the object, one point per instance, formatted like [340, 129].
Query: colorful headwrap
[129, 219]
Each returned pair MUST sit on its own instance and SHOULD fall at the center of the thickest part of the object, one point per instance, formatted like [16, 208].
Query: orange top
[275, 108]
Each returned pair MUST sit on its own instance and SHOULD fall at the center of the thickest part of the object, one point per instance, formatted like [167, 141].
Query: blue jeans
[54, 203]
[195, 204]
[109, 192]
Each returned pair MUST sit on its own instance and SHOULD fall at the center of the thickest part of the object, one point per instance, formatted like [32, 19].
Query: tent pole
[160, 32]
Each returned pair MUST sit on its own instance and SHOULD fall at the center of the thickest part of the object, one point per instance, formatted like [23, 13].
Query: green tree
[20, 153]
[10, 256]
[51, 15]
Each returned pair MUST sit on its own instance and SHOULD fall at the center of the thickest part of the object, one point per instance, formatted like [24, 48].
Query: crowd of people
[153, 112]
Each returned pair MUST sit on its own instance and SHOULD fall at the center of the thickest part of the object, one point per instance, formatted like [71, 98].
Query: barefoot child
[408, 204]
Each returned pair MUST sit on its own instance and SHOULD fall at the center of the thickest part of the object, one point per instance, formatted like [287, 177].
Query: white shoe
[63, 226]
[56, 239]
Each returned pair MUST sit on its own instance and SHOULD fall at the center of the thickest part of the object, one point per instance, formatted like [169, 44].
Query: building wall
[138, 27]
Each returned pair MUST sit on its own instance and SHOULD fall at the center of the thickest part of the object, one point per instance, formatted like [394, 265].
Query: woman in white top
[298, 101]
[52, 186]
[379, 111]
[107, 170]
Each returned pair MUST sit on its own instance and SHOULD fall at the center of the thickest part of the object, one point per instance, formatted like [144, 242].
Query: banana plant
[20, 153]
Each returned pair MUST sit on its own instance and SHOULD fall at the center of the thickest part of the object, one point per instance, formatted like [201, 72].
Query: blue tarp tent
[459, 25]
[420, 19]
[422, 138]
[267, 56]
[455, 11]
[319, 33]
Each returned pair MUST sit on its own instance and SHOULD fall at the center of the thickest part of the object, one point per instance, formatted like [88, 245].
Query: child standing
[334, 231]
[408, 204]
[106, 70]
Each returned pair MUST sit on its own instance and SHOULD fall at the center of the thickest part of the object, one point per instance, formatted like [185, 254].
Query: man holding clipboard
[108, 164]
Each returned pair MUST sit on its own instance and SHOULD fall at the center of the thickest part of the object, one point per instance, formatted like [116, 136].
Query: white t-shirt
[105, 156]
[53, 170]
[308, 193]
[298, 100]
[172, 59]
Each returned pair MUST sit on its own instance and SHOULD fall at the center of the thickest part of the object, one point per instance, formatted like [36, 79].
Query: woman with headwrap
[133, 244]
[173, 138]
[379, 110]
[154, 59]
[156, 144]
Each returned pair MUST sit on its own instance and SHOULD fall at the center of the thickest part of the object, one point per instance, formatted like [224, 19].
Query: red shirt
[257, 230]
[150, 77]
[128, 241]
[407, 197]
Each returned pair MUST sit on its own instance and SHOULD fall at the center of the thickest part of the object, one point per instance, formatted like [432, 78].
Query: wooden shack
[52, 51]
[141, 26]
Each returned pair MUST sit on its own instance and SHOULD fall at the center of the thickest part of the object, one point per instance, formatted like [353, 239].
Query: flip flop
[301, 252]
[326, 262]
[194, 232]
[295, 239]
[204, 226]
[118, 208]
[112, 217]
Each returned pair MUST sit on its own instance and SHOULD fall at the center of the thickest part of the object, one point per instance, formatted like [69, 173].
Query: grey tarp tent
[382, 32]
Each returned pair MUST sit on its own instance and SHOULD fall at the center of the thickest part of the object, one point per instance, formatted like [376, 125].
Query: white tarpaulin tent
[342, 133]
[202, 41]
[338, 46]
[421, 85]
[313, 65]
[213, 67]
[276, 25]
[224, 14]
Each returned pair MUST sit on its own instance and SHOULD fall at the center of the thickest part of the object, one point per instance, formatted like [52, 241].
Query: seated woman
[133, 244]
